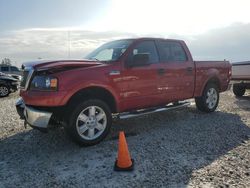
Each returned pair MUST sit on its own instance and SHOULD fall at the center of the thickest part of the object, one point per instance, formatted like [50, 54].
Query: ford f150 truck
[122, 78]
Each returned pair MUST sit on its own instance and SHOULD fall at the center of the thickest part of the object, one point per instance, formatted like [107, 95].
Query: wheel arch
[94, 92]
[212, 80]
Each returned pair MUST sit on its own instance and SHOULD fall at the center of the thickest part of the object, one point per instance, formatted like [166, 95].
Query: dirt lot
[183, 148]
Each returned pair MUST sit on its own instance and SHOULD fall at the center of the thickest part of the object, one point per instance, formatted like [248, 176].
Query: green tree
[6, 61]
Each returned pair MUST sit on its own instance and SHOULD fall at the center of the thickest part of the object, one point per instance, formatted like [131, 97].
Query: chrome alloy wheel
[211, 98]
[3, 91]
[91, 122]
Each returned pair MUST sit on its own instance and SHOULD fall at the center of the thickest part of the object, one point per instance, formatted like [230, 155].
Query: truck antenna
[69, 44]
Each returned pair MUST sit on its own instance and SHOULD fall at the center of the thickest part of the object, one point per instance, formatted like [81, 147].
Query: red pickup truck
[122, 78]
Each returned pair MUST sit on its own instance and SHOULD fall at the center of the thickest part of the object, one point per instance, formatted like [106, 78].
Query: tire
[238, 90]
[83, 125]
[209, 100]
[4, 91]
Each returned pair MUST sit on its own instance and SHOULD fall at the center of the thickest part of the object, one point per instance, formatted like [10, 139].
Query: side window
[171, 51]
[165, 51]
[146, 47]
[105, 55]
[178, 52]
[4, 69]
[14, 69]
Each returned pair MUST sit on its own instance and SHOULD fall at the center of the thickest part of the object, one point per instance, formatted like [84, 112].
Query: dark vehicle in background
[240, 77]
[8, 84]
[12, 71]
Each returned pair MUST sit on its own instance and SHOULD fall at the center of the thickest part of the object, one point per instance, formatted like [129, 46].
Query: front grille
[24, 78]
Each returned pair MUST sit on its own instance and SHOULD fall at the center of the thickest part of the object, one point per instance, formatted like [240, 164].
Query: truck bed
[208, 69]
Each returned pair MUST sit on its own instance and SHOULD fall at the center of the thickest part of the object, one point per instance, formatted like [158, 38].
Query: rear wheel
[89, 122]
[4, 91]
[238, 90]
[209, 100]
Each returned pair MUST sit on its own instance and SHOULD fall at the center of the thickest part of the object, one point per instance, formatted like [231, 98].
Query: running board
[126, 115]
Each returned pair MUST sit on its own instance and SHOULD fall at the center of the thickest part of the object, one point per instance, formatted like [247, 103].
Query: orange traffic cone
[123, 162]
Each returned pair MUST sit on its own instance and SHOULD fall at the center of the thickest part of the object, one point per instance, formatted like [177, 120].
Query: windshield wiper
[93, 58]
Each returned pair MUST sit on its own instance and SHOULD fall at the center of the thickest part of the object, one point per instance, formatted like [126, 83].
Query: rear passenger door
[177, 79]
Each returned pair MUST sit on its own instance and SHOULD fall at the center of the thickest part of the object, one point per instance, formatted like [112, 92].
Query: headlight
[46, 83]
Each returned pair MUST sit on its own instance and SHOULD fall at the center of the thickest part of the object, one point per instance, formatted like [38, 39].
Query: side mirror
[138, 60]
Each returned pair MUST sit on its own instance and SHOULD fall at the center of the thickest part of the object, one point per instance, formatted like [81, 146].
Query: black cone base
[130, 168]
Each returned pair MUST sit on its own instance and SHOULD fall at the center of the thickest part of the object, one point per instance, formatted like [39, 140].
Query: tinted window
[4, 69]
[147, 47]
[171, 51]
[14, 69]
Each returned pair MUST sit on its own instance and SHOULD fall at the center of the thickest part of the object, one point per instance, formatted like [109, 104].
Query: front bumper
[35, 118]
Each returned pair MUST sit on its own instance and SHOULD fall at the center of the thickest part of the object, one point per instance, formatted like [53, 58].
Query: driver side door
[142, 81]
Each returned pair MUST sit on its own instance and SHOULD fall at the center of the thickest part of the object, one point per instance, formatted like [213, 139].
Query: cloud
[31, 44]
[232, 43]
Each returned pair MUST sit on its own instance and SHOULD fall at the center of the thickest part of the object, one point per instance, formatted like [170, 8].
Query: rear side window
[171, 51]
[4, 69]
[146, 47]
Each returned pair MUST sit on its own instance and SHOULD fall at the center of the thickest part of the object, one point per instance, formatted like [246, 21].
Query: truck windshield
[110, 51]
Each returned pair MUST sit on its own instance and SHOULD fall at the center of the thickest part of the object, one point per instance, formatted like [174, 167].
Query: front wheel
[209, 100]
[4, 91]
[89, 122]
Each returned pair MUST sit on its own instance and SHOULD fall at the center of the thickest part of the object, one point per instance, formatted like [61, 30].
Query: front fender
[90, 84]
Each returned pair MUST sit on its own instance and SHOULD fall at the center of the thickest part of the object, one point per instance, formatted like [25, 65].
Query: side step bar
[126, 115]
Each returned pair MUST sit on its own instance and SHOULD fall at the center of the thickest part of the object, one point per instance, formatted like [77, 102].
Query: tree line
[6, 61]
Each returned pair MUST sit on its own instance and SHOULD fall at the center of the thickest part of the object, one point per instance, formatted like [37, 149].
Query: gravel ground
[181, 148]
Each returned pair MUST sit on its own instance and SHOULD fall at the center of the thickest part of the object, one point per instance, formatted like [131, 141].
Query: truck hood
[58, 64]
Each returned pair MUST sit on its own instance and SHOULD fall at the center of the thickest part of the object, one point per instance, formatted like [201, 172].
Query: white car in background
[240, 77]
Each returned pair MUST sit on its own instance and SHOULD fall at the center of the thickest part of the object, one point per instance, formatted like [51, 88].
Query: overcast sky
[32, 29]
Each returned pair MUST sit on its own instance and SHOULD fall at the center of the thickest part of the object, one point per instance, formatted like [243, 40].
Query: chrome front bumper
[35, 118]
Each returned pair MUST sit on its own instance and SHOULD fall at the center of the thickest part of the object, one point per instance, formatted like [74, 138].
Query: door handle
[189, 69]
[161, 71]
